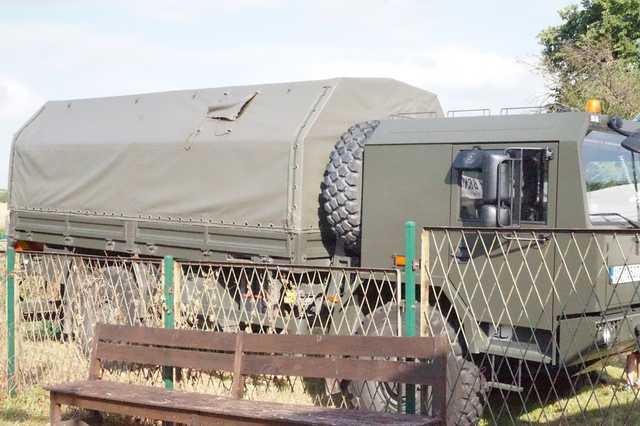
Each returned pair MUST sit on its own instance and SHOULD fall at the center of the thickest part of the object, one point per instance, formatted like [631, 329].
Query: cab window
[535, 186]
[470, 194]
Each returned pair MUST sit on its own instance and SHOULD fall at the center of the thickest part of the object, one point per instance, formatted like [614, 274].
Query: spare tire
[341, 192]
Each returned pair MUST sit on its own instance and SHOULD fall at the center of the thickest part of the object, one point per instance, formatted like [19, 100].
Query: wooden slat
[341, 368]
[95, 367]
[151, 412]
[205, 361]
[374, 346]
[158, 403]
[237, 387]
[191, 339]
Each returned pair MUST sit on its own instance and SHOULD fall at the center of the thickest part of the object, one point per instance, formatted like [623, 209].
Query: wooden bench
[337, 357]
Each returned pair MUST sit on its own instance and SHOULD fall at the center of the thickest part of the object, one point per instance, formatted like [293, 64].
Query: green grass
[31, 408]
[604, 403]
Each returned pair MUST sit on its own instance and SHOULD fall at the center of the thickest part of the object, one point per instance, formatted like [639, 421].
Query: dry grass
[30, 407]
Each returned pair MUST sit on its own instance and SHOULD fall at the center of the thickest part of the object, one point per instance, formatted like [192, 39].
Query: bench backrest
[337, 357]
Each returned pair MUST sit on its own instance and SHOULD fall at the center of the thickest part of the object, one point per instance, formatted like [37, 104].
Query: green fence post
[11, 323]
[169, 319]
[410, 301]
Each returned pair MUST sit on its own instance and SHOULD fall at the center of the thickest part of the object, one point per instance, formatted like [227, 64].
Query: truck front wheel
[466, 383]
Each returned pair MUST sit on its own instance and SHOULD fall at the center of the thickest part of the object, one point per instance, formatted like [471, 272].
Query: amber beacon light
[594, 106]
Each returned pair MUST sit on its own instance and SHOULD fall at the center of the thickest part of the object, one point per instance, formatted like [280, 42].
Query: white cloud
[184, 12]
[102, 64]
[17, 100]
[454, 67]
[115, 64]
[462, 77]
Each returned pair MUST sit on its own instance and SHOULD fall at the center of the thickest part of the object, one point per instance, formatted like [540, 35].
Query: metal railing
[454, 113]
[539, 109]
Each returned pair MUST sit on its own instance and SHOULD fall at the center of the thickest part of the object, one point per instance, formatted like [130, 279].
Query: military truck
[313, 173]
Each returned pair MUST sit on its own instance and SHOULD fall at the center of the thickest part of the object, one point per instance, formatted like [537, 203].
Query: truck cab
[542, 215]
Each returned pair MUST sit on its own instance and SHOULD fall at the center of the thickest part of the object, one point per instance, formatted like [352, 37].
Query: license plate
[624, 274]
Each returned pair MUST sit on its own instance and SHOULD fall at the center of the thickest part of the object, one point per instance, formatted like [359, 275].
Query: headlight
[605, 335]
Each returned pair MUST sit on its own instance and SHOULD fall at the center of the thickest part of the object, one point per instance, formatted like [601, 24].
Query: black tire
[107, 295]
[465, 380]
[341, 192]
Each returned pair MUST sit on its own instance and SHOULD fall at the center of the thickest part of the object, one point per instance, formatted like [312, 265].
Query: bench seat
[200, 409]
[380, 359]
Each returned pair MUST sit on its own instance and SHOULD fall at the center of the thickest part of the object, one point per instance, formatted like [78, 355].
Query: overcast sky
[473, 54]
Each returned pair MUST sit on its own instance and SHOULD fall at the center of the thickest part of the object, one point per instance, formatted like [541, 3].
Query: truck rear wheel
[106, 295]
[466, 383]
[341, 184]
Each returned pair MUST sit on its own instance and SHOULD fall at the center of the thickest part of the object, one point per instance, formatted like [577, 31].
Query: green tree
[595, 52]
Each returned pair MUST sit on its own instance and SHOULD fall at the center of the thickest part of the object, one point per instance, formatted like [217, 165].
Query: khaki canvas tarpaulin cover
[246, 156]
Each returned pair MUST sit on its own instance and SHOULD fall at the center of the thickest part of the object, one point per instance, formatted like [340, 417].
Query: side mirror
[504, 187]
[496, 177]
[489, 195]
[632, 143]
[497, 174]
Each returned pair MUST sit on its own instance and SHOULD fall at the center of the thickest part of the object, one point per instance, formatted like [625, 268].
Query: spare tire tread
[341, 184]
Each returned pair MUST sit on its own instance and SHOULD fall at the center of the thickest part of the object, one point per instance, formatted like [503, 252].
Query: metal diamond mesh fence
[543, 324]
[60, 297]
[3, 319]
[254, 298]
[546, 318]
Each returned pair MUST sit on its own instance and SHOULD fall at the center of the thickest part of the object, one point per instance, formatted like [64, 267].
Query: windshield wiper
[626, 219]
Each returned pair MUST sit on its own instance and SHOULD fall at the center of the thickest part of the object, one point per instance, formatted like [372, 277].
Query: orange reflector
[22, 246]
[28, 246]
[594, 106]
[399, 260]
